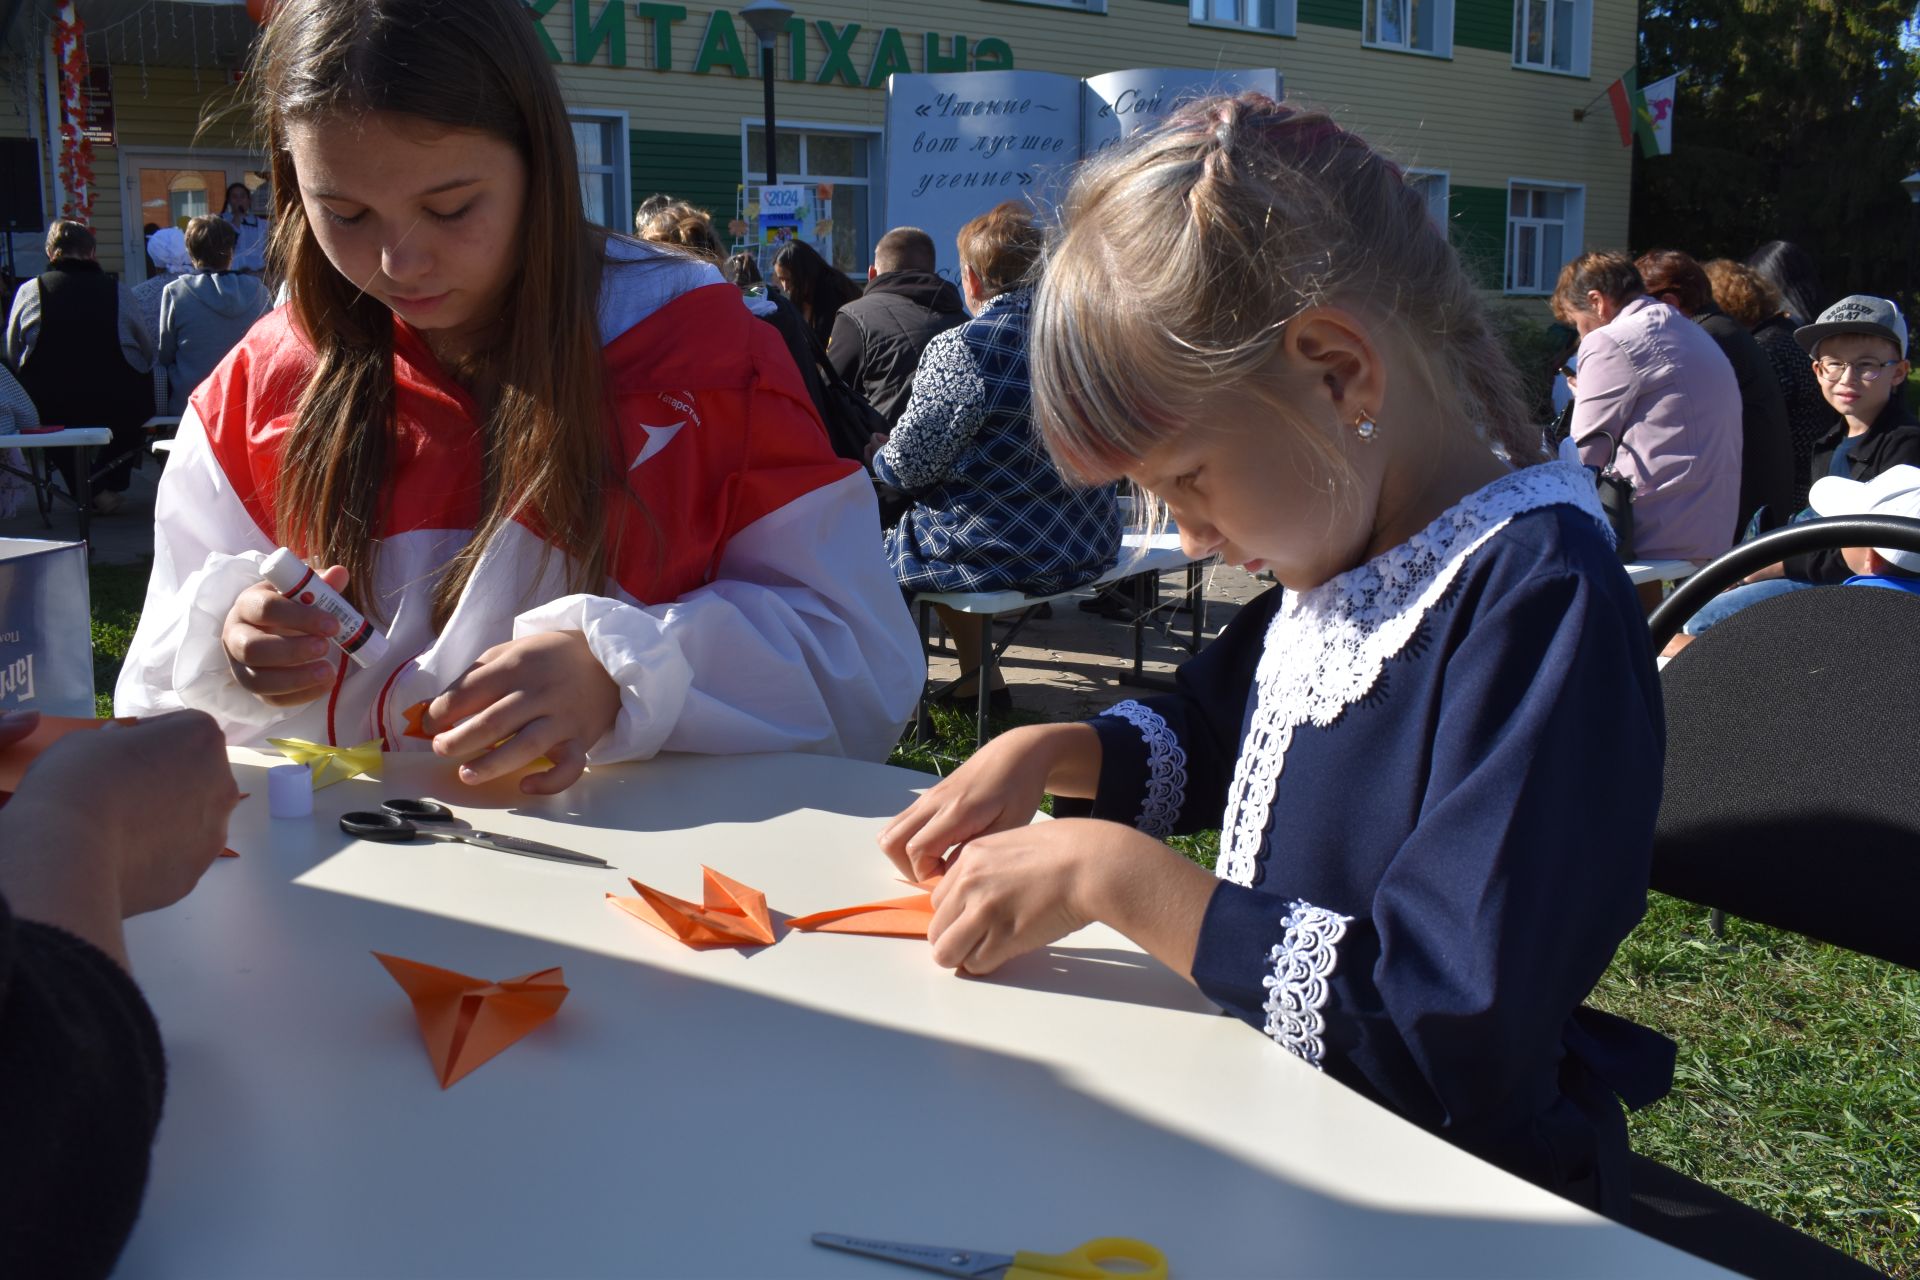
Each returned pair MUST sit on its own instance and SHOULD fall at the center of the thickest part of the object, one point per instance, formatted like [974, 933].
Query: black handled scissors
[403, 820]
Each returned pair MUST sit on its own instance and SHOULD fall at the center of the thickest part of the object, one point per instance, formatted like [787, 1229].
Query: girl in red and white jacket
[581, 490]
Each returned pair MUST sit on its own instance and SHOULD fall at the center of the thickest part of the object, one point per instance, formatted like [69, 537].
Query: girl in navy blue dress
[1434, 750]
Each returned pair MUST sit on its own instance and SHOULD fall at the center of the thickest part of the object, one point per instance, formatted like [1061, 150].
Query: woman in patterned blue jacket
[1433, 751]
[990, 510]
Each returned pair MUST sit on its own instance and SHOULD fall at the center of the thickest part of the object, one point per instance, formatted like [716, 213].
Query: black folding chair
[1791, 730]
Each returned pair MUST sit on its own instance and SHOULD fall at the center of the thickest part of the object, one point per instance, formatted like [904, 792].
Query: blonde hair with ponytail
[1184, 252]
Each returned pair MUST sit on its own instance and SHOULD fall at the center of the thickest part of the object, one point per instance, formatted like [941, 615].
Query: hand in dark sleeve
[81, 1080]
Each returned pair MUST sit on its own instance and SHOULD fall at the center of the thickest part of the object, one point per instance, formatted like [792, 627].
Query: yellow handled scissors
[1088, 1262]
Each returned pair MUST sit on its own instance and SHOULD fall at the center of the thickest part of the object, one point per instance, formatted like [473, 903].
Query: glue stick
[293, 579]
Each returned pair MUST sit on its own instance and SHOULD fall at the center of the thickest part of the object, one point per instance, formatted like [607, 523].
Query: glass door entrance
[170, 190]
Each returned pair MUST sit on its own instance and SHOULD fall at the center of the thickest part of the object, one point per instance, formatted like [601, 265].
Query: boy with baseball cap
[1859, 352]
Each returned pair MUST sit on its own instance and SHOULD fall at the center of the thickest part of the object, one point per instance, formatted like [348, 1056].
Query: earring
[1363, 426]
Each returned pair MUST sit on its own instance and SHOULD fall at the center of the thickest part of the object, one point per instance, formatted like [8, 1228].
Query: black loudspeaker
[20, 186]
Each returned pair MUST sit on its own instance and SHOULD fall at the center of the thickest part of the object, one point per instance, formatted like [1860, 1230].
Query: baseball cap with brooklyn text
[1856, 313]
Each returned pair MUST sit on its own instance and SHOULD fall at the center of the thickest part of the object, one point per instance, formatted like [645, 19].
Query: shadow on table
[666, 1125]
[1100, 973]
[752, 788]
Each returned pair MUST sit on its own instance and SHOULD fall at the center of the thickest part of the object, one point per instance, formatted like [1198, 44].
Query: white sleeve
[802, 642]
[201, 531]
[23, 323]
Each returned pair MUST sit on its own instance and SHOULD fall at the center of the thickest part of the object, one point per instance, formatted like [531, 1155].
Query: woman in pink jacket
[1656, 383]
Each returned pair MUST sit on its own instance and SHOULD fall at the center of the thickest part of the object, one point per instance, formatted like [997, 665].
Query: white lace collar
[1326, 648]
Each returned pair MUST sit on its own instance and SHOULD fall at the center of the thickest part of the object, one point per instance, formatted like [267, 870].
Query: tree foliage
[1796, 120]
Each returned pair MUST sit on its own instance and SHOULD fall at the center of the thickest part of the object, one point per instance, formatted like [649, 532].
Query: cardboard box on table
[46, 628]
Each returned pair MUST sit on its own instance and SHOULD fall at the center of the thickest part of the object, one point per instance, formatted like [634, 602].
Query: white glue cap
[290, 791]
[285, 570]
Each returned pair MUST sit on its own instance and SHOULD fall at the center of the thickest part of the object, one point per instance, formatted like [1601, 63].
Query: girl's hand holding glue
[282, 648]
[541, 695]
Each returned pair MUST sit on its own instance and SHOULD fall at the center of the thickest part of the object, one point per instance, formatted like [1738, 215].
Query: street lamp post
[768, 18]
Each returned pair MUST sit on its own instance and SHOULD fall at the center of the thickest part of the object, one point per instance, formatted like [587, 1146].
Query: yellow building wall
[1473, 114]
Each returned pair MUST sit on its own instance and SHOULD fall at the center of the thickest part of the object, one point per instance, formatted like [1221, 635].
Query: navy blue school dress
[1438, 773]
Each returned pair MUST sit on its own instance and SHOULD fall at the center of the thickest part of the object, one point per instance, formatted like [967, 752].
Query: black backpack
[851, 422]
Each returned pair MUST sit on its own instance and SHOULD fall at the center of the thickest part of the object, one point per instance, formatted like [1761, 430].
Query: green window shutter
[1478, 224]
[701, 168]
[1344, 14]
[1483, 24]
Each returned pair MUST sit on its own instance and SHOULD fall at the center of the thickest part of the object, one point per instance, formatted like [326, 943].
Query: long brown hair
[1184, 252]
[456, 64]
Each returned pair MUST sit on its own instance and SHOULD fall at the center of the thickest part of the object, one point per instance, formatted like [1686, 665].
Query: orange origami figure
[906, 917]
[465, 1021]
[416, 722]
[733, 915]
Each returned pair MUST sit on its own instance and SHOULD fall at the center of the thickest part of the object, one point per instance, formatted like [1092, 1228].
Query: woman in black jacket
[1749, 298]
[816, 286]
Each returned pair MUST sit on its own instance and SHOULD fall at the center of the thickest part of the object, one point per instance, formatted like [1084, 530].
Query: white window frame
[1582, 40]
[1083, 6]
[1205, 13]
[1572, 237]
[622, 162]
[1442, 29]
[753, 171]
[1442, 182]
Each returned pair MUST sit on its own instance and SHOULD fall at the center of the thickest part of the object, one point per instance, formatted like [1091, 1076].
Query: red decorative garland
[76, 151]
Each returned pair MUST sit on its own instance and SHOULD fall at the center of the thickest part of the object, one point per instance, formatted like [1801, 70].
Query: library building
[910, 111]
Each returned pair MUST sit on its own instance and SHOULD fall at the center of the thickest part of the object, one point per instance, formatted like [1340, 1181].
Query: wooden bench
[1143, 558]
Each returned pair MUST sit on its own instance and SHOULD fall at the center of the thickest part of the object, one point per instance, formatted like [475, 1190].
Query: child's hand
[278, 648]
[541, 695]
[1011, 892]
[1007, 893]
[159, 820]
[1000, 787]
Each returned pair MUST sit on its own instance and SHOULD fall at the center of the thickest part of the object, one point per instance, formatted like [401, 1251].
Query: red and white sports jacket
[755, 612]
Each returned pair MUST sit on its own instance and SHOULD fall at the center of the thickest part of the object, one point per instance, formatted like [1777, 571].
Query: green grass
[1798, 1087]
[118, 591]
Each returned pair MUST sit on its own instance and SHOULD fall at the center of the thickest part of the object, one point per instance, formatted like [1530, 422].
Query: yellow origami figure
[331, 764]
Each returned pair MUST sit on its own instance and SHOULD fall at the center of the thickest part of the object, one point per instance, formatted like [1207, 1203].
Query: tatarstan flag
[1638, 115]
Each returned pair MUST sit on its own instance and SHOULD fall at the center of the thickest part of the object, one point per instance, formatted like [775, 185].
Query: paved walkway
[1065, 667]
[1071, 665]
[126, 537]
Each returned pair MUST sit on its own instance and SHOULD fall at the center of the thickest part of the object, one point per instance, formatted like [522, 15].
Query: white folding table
[83, 441]
[701, 1113]
[1143, 558]
[1666, 572]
